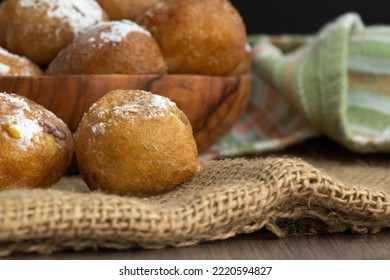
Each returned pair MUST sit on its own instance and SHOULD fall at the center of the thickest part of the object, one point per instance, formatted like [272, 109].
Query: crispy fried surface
[126, 9]
[40, 31]
[107, 48]
[36, 146]
[14, 65]
[135, 143]
[198, 36]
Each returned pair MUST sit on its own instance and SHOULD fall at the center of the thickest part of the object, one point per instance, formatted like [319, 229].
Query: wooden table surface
[258, 245]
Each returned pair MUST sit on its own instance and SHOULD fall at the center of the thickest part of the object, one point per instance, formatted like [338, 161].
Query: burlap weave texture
[226, 198]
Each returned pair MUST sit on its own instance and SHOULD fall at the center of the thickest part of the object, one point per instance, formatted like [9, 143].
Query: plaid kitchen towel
[336, 83]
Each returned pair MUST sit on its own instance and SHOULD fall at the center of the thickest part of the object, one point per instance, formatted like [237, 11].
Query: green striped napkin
[336, 83]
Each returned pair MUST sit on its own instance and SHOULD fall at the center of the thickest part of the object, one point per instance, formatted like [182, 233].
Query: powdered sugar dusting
[118, 30]
[27, 128]
[4, 69]
[111, 32]
[7, 53]
[24, 66]
[79, 14]
[14, 99]
[101, 114]
[145, 106]
[99, 127]
[161, 102]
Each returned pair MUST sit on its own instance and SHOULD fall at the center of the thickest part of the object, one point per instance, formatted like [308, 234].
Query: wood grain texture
[257, 245]
[211, 103]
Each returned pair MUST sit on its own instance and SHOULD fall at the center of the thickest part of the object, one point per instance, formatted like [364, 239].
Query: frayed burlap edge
[226, 198]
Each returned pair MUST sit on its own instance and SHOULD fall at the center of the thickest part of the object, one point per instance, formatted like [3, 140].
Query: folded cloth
[228, 197]
[336, 83]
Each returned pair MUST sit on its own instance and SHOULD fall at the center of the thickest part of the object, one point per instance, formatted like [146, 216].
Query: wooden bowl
[211, 103]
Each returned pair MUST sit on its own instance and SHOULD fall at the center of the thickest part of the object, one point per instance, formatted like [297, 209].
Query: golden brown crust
[14, 65]
[36, 146]
[135, 143]
[115, 47]
[40, 29]
[126, 9]
[6, 10]
[197, 36]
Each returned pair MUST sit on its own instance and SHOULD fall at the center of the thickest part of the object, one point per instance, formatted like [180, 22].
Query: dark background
[306, 17]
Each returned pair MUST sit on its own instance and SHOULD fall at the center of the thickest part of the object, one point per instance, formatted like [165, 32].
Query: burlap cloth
[308, 189]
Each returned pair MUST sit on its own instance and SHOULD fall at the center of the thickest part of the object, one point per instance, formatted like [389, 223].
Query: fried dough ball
[133, 142]
[39, 29]
[197, 36]
[36, 146]
[126, 9]
[114, 47]
[6, 9]
[14, 65]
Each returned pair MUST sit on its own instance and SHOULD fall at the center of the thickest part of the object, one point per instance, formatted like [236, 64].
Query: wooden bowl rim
[219, 92]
